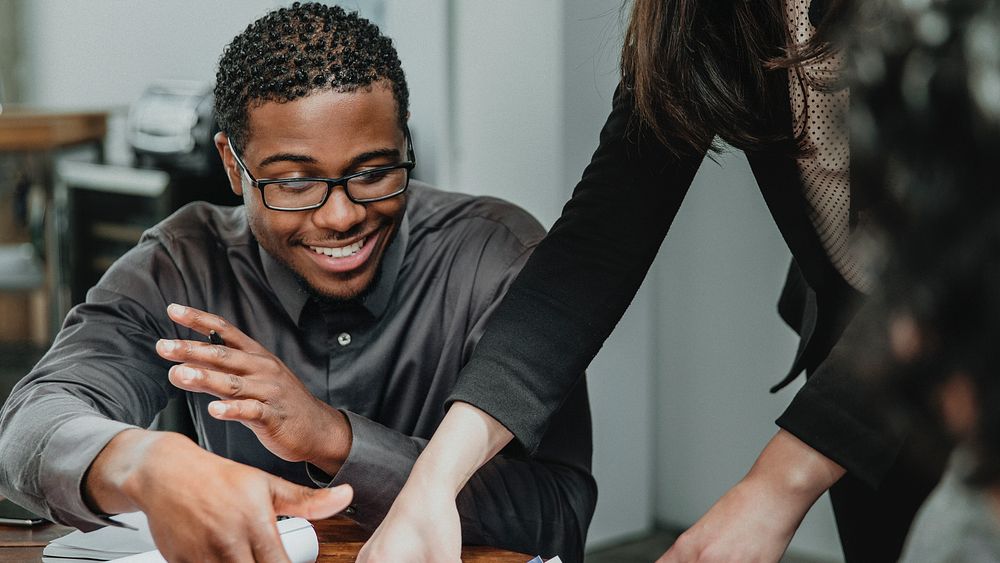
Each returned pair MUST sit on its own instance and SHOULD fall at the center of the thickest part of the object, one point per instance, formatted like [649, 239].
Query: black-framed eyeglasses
[367, 186]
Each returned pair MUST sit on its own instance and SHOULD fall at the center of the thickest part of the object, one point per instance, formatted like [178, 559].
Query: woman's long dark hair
[700, 68]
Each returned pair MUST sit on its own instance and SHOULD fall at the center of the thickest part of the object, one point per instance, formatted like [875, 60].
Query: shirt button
[344, 339]
[350, 510]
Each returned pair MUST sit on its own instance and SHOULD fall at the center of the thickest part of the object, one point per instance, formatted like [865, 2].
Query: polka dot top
[825, 169]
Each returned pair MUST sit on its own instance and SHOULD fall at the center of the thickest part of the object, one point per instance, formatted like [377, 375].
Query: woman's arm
[556, 315]
[756, 519]
[579, 280]
[423, 523]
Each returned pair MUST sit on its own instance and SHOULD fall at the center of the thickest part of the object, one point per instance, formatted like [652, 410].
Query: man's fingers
[203, 323]
[223, 358]
[246, 410]
[311, 504]
[266, 544]
[223, 385]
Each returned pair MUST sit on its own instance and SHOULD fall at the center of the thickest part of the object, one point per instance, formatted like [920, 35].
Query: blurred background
[104, 132]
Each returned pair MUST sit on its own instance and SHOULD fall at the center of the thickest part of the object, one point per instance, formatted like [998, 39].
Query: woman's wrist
[794, 469]
[466, 439]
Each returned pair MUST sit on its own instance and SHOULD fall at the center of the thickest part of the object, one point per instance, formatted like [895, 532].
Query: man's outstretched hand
[256, 389]
[201, 507]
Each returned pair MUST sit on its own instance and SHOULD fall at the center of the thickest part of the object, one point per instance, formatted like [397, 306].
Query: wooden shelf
[29, 129]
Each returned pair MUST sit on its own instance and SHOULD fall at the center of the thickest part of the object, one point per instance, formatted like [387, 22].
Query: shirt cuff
[70, 451]
[864, 451]
[376, 468]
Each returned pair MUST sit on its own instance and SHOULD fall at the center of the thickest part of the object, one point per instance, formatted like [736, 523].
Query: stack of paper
[136, 545]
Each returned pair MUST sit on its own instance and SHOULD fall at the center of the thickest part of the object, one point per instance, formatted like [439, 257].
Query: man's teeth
[341, 251]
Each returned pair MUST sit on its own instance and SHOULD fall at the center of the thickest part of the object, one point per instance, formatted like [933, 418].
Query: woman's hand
[422, 526]
[756, 519]
[423, 523]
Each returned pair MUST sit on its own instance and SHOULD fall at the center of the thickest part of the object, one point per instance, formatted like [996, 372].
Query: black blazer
[582, 277]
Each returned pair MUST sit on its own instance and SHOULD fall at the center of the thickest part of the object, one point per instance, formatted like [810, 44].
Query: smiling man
[347, 296]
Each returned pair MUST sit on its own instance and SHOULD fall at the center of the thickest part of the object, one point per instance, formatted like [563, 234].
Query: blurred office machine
[170, 161]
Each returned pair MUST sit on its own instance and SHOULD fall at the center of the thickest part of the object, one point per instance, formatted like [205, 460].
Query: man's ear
[233, 171]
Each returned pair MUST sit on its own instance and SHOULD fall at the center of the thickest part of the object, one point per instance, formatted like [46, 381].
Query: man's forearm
[111, 482]
[48, 441]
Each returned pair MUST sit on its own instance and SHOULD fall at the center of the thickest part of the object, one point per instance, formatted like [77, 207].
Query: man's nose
[339, 213]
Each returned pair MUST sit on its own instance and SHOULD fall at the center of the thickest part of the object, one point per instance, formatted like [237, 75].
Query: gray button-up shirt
[389, 362]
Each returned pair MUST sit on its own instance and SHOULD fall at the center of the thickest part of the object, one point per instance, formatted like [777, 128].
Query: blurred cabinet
[103, 212]
[103, 209]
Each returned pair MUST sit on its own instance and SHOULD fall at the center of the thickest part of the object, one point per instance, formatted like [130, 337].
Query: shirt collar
[293, 296]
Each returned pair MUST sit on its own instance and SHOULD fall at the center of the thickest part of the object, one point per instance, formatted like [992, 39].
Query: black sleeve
[838, 411]
[579, 281]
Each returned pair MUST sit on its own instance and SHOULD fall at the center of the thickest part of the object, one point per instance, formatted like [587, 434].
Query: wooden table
[340, 539]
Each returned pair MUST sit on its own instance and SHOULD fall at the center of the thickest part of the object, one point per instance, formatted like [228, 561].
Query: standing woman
[761, 75]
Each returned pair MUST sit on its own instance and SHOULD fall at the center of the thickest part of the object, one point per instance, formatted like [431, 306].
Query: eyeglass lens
[377, 184]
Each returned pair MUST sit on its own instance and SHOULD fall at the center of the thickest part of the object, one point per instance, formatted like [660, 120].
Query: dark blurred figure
[926, 124]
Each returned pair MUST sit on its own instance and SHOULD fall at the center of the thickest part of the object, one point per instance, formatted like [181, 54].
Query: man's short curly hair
[291, 52]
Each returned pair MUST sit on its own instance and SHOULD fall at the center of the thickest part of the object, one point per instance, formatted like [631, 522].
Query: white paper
[136, 546]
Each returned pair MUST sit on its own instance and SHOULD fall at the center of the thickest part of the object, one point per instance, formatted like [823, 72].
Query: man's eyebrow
[287, 157]
[364, 157]
[358, 160]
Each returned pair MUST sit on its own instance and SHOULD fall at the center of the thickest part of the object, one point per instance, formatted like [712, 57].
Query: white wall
[426, 56]
[100, 54]
[506, 118]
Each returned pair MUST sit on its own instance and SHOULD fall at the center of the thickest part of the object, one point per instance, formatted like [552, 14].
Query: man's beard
[328, 301]
[320, 297]
[325, 299]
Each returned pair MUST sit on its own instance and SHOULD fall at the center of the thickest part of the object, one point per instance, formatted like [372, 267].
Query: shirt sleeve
[101, 376]
[580, 279]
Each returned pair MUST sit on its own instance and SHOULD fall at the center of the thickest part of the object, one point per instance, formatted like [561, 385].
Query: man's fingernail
[176, 309]
[167, 345]
[217, 409]
[187, 374]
